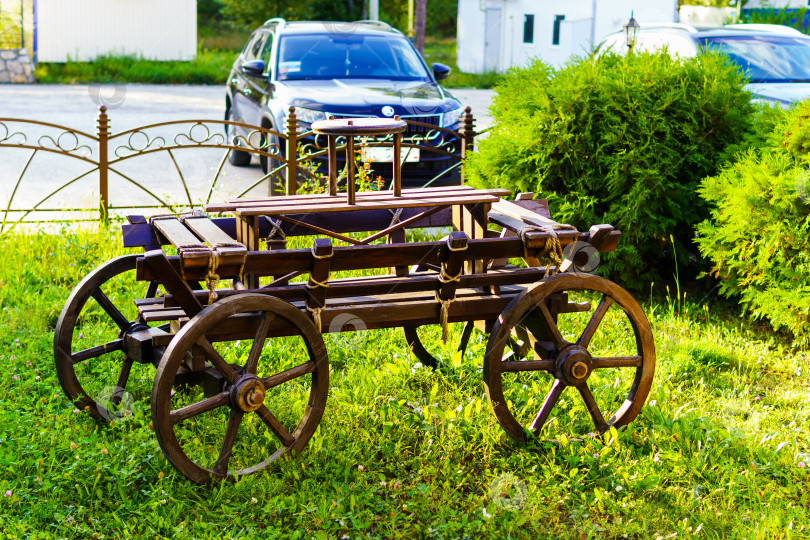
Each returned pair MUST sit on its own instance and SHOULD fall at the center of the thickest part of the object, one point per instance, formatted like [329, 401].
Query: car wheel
[237, 158]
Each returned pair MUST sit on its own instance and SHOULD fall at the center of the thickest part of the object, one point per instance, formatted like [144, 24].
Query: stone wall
[16, 66]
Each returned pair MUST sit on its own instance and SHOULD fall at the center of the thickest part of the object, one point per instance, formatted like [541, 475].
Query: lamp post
[631, 32]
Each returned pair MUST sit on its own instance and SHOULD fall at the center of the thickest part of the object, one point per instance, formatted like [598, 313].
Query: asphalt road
[129, 106]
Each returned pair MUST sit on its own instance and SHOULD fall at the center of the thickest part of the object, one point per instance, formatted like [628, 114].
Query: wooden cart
[251, 359]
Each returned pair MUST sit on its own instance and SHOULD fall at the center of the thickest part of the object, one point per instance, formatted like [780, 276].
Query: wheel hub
[247, 394]
[574, 366]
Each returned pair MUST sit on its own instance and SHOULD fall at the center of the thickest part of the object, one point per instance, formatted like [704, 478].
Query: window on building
[528, 29]
[555, 35]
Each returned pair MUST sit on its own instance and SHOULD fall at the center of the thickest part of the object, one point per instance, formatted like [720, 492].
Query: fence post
[467, 139]
[103, 138]
[292, 152]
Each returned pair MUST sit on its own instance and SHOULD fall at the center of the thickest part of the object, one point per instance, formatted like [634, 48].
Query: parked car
[325, 69]
[775, 58]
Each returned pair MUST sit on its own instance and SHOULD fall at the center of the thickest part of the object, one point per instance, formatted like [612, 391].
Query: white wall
[470, 36]
[84, 29]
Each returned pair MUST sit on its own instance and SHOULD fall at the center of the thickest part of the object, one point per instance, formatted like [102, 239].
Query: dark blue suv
[359, 69]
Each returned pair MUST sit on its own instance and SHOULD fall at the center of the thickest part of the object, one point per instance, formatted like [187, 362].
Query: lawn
[217, 50]
[719, 451]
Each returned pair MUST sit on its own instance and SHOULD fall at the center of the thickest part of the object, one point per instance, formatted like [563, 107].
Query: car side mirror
[440, 71]
[254, 68]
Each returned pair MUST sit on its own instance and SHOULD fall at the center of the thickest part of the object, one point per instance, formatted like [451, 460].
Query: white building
[494, 35]
[84, 29]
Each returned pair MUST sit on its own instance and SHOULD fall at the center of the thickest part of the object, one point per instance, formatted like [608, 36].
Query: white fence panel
[84, 29]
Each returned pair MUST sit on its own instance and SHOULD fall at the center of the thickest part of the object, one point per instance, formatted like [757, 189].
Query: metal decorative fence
[103, 156]
[11, 28]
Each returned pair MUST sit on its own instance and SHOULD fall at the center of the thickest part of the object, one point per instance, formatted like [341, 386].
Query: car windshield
[766, 59]
[348, 56]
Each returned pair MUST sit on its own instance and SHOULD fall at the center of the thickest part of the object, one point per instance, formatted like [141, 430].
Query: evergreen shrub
[758, 237]
[619, 140]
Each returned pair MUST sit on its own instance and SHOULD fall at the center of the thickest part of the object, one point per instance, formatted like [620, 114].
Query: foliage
[619, 140]
[441, 19]
[757, 237]
[720, 451]
[219, 46]
[444, 51]
[798, 18]
[209, 67]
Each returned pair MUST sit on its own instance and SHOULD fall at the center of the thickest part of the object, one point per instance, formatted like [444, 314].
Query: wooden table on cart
[242, 371]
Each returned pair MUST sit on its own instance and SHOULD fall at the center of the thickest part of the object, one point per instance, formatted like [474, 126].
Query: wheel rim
[268, 404]
[92, 365]
[577, 375]
[418, 349]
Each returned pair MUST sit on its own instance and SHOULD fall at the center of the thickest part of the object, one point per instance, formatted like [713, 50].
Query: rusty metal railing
[103, 155]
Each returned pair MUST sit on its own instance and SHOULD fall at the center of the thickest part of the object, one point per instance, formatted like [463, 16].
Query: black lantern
[630, 32]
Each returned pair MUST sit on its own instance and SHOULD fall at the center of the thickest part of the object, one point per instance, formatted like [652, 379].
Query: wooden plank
[388, 284]
[323, 197]
[377, 313]
[176, 233]
[171, 279]
[143, 235]
[403, 202]
[209, 231]
[538, 206]
[283, 262]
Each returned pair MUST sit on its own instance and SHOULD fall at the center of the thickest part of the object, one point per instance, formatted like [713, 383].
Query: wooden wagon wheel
[92, 364]
[415, 342]
[271, 395]
[544, 343]
[423, 354]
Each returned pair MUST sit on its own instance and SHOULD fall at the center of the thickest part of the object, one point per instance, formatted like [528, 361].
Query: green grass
[217, 50]
[444, 51]
[209, 67]
[406, 452]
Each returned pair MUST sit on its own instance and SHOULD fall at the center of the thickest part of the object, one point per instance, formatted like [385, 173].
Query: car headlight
[309, 116]
[451, 118]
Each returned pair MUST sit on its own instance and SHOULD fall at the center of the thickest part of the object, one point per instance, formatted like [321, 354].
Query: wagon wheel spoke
[515, 349]
[528, 365]
[288, 375]
[217, 360]
[617, 362]
[596, 319]
[208, 404]
[556, 336]
[225, 452]
[95, 352]
[107, 305]
[593, 408]
[121, 382]
[151, 289]
[258, 342]
[551, 400]
[275, 425]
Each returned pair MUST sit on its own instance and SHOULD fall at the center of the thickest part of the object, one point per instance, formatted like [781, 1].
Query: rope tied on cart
[445, 278]
[276, 234]
[553, 248]
[395, 216]
[313, 283]
[211, 276]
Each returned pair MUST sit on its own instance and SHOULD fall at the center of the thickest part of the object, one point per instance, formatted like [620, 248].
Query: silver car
[776, 59]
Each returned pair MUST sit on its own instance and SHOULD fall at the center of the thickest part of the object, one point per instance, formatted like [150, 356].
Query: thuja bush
[758, 237]
[623, 141]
